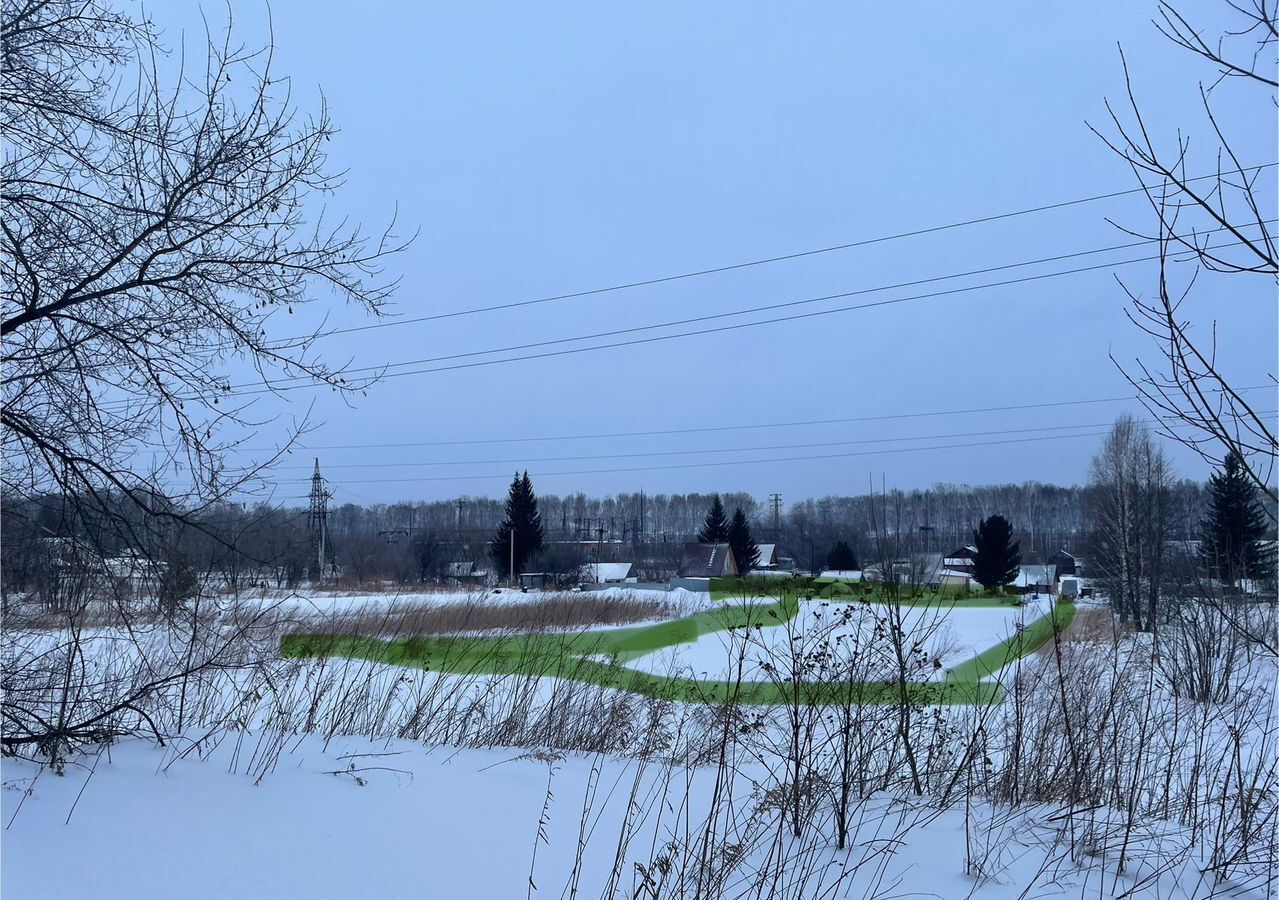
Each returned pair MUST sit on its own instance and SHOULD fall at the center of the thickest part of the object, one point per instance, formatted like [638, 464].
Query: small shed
[952, 578]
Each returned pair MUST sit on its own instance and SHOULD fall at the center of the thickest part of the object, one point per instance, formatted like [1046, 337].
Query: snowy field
[951, 634]
[350, 778]
[395, 819]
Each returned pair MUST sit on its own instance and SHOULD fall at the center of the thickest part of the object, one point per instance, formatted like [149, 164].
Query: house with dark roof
[961, 559]
[707, 561]
[1065, 562]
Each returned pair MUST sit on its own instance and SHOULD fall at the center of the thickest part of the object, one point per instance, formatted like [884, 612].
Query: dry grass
[557, 612]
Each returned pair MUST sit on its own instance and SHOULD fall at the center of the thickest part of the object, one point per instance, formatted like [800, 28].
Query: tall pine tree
[1236, 525]
[715, 528]
[841, 557]
[745, 550]
[524, 521]
[998, 558]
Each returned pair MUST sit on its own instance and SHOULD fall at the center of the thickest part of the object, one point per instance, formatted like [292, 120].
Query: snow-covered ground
[951, 634]
[394, 819]
[294, 806]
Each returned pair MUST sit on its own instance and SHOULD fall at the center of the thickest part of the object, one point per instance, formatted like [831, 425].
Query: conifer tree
[841, 558]
[522, 519]
[998, 558]
[1236, 525]
[715, 528]
[742, 542]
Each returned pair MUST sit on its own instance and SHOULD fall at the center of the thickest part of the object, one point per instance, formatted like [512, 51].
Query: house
[767, 558]
[135, 570]
[707, 561]
[961, 560]
[609, 573]
[463, 573]
[921, 569]
[1065, 562]
[936, 570]
[1037, 580]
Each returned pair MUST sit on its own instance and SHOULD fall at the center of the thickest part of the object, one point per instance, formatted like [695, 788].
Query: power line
[701, 465]
[280, 385]
[866, 242]
[750, 310]
[696, 452]
[718, 329]
[722, 428]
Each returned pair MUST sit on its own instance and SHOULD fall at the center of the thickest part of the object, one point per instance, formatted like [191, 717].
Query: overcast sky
[544, 149]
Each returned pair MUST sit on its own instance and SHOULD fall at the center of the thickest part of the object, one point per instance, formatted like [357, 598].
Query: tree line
[1133, 521]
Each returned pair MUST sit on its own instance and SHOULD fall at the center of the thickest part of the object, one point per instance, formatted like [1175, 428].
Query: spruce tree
[841, 558]
[998, 558]
[745, 550]
[715, 528]
[524, 520]
[1236, 525]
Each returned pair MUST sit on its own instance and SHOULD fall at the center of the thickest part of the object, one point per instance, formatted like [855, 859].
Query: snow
[324, 602]
[952, 633]
[402, 820]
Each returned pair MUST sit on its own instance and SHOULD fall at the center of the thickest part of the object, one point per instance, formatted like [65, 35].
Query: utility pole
[776, 501]
[512, 569]
[318, 519]
[927, 527]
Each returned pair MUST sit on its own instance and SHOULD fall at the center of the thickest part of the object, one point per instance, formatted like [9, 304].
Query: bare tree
[1132, 478]
[159, 220]
[1221, 222]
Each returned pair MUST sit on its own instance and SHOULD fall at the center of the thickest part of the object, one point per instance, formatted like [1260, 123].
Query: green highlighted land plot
[601, 657]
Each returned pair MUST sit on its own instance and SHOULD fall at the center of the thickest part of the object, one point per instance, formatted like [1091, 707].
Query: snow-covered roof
[767, 555]
[606, 571]
[460, 569]
[1029, 576]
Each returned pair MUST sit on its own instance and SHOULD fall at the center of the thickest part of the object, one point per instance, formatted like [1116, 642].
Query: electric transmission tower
[318, 522]
[775, 500]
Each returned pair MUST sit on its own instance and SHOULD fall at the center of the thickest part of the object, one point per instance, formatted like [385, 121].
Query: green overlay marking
[598, 657]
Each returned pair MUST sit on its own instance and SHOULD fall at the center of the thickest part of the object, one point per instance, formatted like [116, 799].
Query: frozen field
[951, 634]
[395, 819]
